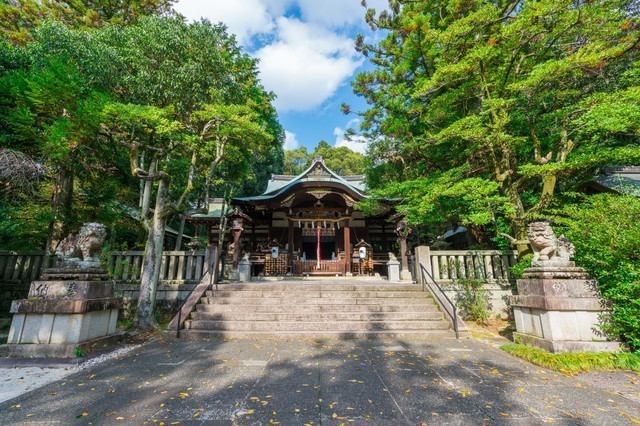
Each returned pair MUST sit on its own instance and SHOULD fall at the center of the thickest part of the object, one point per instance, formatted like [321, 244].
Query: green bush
[473, 300]
[606, 232]
[524, 262]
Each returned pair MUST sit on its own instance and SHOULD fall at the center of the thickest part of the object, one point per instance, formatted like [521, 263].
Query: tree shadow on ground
[306, 381]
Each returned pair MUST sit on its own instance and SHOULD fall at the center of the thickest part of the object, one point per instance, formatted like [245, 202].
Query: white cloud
[306, 60]
[355, 143]
[244, 18]
[306, 65]
[290, 141]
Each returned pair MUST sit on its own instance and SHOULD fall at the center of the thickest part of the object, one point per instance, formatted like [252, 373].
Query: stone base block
[405, 275]
[65, 306]
[67, 274]
[68, 350]
[559, 346]
[244, 271]
[57, 290]
[61, 329]
[558, 325]
[393, 271]
[233, 275]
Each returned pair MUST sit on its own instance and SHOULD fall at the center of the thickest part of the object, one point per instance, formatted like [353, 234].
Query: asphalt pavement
[331, 382]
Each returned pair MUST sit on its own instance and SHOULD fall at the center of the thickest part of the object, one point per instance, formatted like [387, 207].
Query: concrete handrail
[208, 278]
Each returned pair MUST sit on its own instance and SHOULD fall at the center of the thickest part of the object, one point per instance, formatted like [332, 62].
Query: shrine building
[308, 225]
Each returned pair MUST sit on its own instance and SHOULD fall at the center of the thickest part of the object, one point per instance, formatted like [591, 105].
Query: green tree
[296, 161]
[189, 100]
[19, 19]
[341, 160]
[52, 114]
[481, 112]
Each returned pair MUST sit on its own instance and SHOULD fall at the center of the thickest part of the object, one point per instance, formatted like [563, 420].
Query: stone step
[316, 317]
[396, 301]
[309, 294]
[327, 309]
[313, 286]
[336, 326]
[220, 308]
[344, 334]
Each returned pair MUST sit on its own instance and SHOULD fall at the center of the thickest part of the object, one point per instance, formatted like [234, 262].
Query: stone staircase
[318, 309]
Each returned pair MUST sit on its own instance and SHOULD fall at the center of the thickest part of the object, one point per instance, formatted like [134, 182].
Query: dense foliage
[483, 113]
[604, 228]
[147, 119]
[20, 18]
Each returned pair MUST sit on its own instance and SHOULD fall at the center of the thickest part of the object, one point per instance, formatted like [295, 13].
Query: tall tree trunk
[60, 208]
[180, 231]
[152, 259]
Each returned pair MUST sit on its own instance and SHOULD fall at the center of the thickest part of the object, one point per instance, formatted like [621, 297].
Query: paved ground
[323, 382]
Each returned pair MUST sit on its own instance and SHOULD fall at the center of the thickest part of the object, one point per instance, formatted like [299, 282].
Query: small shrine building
[308, 225]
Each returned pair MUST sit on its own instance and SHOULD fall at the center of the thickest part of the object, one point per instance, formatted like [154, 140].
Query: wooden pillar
[347, 248]
[403, 254]
[236, 247]
[402, 231]
[385, 246]
[291, 246]
[253, 237]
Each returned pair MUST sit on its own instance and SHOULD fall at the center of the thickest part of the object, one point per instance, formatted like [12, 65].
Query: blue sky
[306, 57]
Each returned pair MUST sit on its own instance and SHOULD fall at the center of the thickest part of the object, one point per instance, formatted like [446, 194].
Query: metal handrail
[453, 315]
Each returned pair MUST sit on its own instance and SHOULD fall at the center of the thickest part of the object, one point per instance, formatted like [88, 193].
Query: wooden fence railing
[18, 267]
[301, 267]
[451, 265]
[17, 270]
[124, 266]
[183, 266]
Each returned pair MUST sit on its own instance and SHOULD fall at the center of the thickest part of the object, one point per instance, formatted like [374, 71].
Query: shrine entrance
[307, 225]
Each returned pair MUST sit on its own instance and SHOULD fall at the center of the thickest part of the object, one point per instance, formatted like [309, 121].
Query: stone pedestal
[233, 275]
[393, 271]
[557, 309]
[68, 309]
[405, 275]
[244, 271]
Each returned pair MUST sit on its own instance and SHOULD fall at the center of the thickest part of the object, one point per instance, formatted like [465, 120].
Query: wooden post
[385, 246]
[253, 236]
[291, 245]
[403, 254]
[236, 248]
[403, 231]
[347, 248]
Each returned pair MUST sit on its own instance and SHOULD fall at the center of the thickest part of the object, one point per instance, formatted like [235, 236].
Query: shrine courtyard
[303, 381]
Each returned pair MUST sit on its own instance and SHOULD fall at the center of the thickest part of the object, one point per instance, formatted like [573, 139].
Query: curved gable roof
[318, 173]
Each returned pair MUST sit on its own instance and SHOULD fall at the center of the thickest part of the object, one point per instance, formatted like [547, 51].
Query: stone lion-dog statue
[549, 250]
[87, 243]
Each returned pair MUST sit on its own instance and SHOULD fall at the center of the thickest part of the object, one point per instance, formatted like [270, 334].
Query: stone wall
[499, 293]
[169, 297]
